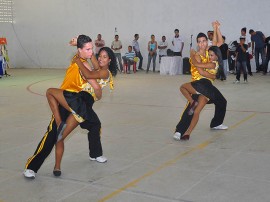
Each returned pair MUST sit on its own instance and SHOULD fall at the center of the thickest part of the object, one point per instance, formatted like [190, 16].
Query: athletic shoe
[29, 174]
[220, 127]
[100, 159]
[177, 136]
[236, 81]
[245, 81]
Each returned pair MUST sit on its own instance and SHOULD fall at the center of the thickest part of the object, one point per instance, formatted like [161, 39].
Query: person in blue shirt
[128, 58]
[258, 39]
[152, 49]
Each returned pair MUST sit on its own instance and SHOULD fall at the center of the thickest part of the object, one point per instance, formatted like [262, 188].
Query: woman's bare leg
[187, 90]
[202, 100]
[72, 123]
[55, 97]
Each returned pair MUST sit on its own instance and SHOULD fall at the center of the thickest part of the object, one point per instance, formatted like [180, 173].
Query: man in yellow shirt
[73, 81]
[213, 94]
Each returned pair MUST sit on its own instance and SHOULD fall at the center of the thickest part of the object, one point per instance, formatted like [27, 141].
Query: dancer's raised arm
[217, 37]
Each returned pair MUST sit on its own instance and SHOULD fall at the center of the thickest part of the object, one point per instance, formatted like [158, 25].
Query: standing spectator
[241, 60]
[162, 46]
[116, 47]
[210, 37]
[267, 44]
[152, 49]
[258, 39]
[225, 53]
[99, 43]
[136, 48]
[248, 42]
[231, 58]
[178, 44]
[129, 58]
[2, 62]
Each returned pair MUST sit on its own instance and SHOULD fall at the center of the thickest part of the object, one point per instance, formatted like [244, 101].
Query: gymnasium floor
[144, 162]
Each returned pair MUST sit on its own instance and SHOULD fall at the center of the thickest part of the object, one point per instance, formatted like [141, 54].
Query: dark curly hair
[217, 51]
[113, 64]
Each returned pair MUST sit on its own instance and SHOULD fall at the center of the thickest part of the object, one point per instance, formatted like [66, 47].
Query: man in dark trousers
[49, 139]
[214, 97]
[258, 39]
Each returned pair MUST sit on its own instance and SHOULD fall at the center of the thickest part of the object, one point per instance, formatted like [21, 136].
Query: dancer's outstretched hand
[73, 41]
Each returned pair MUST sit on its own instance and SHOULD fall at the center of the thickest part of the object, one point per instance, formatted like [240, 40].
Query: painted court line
[172, 161]
[28, 88]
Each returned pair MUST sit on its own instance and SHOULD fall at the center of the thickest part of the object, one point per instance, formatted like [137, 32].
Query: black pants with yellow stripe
[215, 98]
[48, 141]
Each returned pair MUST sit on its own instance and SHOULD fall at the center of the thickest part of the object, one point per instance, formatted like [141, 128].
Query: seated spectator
[129, 58]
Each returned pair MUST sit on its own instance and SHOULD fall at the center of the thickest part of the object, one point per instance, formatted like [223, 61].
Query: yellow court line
[172, 161]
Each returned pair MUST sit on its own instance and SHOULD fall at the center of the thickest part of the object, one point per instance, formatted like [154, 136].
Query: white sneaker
[177, 136]
[29, 173]
[236, 81]
[220, 127]
[245, 81]
[100, 159]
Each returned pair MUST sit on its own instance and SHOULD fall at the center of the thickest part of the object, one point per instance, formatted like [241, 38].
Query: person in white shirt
[136, 48]
[210, 37]
[99, 43]
[116, 47]
[162, 46]
[178, 43]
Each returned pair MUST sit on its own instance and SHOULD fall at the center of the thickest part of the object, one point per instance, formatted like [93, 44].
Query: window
[6, 11]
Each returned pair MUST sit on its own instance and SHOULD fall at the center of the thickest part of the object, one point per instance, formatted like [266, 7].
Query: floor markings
[174, 160]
